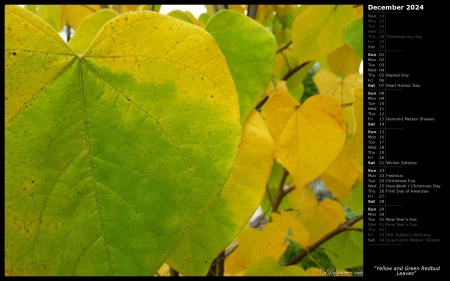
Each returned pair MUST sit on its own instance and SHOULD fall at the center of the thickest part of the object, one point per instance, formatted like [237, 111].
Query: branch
[341, 228]
[251, 11]
[261, 103]
[294, 70]
[284, 47]
[281, 192]
[217, 267]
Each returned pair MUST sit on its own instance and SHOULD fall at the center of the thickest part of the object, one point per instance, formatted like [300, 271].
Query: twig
[284, 47]
[251, 11]
[293, 71]
[68, 32]
[341, 228]
[261, 103]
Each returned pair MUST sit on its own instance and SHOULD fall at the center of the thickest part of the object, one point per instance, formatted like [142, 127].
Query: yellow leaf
[314, 271]
[318, 30]
[238, 8]
[302, 199]
[311, 139]
[359, 10]
[278, 110]
[235, 263]
[74, 14]
[264, 12]
[256, 243]
[341, 175]
[163, 271]
[129, 8]
[322, 219]
[356, 149]
[347, 169]
[330, 85]
[318, 218]
[344, 61]
[291, 227]
[269, 266]
[210, 10]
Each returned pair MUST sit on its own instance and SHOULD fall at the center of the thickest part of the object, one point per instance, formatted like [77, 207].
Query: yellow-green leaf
[181, 16]
[295, 81]
[312, 139]
[269, 266]
[355, 200]
[88, 29]
[318, 30]
[74, 14]
[110, 156]
[354, 36]
[250, 52]
[50, 13]
[346, 249]
[234, 207]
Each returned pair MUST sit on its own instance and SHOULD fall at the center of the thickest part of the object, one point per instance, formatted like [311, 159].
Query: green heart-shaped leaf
[113, 154]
